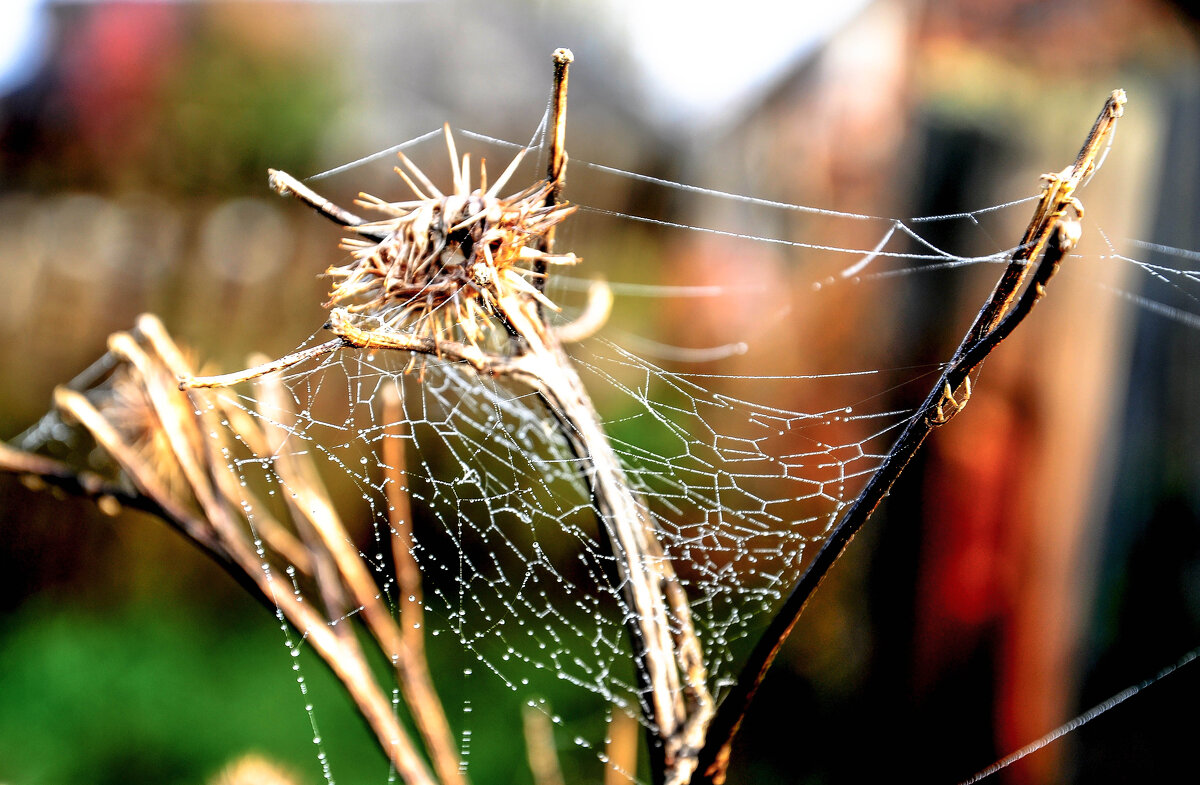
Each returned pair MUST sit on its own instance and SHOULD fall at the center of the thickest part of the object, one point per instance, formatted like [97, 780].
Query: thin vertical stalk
[556, 165]
[670, 666]
[400, 521]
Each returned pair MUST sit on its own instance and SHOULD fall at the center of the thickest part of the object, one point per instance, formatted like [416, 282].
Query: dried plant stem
[621, 749]
[556, 165]
[1056, 197]
[400, 521]
[208, 519]
[40, 472]
[354, 337]
[1048, 231]
[268, 528]
[188, 382]
[599, 306]
[78, 407]
[412, 672]
[669, 659]
[286, 185]
[595, 315]
[344, 657]
[339, 649]
[539, 747]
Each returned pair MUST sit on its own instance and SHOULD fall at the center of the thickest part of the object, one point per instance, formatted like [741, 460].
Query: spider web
[744, 472]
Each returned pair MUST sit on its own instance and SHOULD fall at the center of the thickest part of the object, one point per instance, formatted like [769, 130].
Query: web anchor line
[1083, 719]
[1049, 234]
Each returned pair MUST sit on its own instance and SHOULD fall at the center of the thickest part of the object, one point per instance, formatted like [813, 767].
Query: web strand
[1083, 719]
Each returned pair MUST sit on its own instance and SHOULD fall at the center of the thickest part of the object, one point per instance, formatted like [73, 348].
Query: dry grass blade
[207, 508]
[307, 493]
[621, 750]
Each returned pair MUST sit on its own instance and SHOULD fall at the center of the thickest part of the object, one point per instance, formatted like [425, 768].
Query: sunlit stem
[283, 363]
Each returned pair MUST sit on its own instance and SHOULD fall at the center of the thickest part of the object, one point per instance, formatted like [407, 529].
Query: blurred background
[1042, 554]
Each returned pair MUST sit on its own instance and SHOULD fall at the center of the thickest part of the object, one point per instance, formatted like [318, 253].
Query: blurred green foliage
[230, 114]
[147, 695]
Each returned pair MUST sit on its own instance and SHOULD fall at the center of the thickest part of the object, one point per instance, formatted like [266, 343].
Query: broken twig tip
[277, 181]
[1118, 100]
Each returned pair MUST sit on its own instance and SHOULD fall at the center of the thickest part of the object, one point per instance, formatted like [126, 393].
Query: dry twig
[1049, 231]
[210, 510]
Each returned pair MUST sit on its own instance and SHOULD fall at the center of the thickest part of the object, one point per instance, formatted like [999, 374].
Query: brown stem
[420, 696]
[78, 407]
[996, 320]
[556, 166]
[306, 499]
[344, 658]
[1059, 193]
[670, 667]
[669, 662]
[400, 522]
[621, 750]
[189, 382]
[286, 185]
[40, 472]
[595, 315]
[197, 457]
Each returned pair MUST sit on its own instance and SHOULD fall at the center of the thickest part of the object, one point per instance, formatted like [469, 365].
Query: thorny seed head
[446, 258]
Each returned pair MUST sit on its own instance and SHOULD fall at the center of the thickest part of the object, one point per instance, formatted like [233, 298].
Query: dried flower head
[446, 258]
[436, 270]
